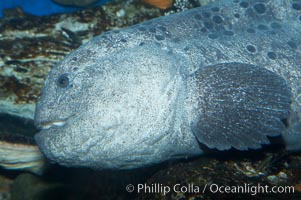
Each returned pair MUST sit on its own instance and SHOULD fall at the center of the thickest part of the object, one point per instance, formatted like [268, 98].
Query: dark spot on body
[141, 43]
[251, 30]
[159, 37]
[296, 6]
[262, 27]
[213, 36]
[272, 55]
[75, 68]
[217, 19]
[104, 36]
[215, 9]
[198, 17]
[229, 33]
[90, 52]
[152, 30]
[196, 26]
[141, 28]
[176, 40]
[300, 18]
[148, 22]
[157, 44]
[206, 14]
[204, 30]
[208, 25]
[162, 28]
[220, 28]
[236, 15]
[292, 44]
[186, 49]
[123, 40]
[244, 4]
[74, 59]
[259, 8]
[251, 48]
[63, 81]
[273, 33]
[275, 25]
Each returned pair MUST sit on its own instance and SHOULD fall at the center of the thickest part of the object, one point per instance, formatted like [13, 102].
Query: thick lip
[55, 123]
[48, 125]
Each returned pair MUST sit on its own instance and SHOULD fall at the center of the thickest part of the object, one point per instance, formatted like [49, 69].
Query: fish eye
[63, 81]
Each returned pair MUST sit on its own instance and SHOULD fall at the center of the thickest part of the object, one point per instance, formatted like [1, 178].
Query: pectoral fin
[240, 105]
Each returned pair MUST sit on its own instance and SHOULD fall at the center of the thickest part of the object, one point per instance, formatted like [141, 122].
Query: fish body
[226, 75]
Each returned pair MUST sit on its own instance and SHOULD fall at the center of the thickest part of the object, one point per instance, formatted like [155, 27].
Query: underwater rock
[5, 185]
[28, 186]
[200, 178]
[17, 147]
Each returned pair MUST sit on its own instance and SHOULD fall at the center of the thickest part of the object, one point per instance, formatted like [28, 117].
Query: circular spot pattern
[251, 30]
[296, 6]
[262, 27]
[159, 37]
[251, 48]
[142, 28]
[259, 8]
[229, 33]
[204, 30]
[275, 25]
[215, 9]
[152, 30]
[244, 4]
[198, 17]
[208, 25]
[217, 19]
[292, 44]
[236, 15]
[213, 36]
[162, 28]
[272, 55]
[206, 14]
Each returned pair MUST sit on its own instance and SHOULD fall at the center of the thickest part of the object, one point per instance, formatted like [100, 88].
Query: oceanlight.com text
[212, 188]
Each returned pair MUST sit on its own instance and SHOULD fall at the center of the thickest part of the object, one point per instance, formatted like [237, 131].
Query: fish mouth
[50, 124]
[54, 123]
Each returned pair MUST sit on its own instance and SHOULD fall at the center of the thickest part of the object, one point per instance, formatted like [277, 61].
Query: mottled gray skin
[133, 96]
